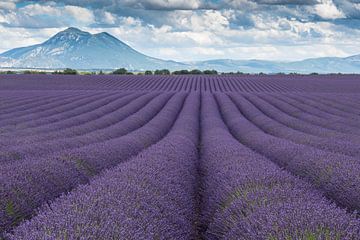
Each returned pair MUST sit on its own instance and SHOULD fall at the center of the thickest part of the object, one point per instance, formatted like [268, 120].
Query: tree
[148, 72]
[181, 72]
[162, 72]
[69, 71]
[195, 72]
[120, 71]
[210, 72]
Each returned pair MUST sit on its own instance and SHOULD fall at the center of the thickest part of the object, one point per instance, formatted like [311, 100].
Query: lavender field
[180, 157]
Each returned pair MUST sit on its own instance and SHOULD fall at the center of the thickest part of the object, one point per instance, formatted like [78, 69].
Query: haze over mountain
[77, 49]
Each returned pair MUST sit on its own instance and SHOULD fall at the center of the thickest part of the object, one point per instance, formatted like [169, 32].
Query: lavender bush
[250, 157]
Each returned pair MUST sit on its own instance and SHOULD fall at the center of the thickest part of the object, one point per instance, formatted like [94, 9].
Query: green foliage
[181, 72]
[210, 72]
[67, 71]
[120, 71]
[195, 72]
[10, 208]
[162, 72]
[148, 72]
[82, 165]
[33, 72]
[8, 72]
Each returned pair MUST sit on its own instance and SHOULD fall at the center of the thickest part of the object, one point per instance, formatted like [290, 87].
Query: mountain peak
[68, 35]
[73, 29]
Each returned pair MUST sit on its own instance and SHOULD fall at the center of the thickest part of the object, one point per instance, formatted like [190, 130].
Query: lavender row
[336, 175]
[220, 83]
[78, 116]
[9, 102]
[21, 117]
[337, 123]
[262, 115]
[153, 196]
[99, 119]
[345, 108]
[32, 100]
[27, 185]
[246, 196]
[53, 108]
[46, 103]
[122, 123]
[338, 111]
[312, 124]
[68, 111]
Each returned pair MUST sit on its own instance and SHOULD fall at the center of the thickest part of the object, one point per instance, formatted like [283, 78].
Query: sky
[192, 30]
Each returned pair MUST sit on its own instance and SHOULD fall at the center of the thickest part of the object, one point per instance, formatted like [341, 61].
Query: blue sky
[187, 30]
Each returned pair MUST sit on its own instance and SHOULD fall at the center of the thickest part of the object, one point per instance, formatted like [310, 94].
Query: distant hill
[318, 65]
[73, 48]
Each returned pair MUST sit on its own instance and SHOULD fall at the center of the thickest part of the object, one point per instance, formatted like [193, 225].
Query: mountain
[230, 65]
[77, 49]
[319, 65]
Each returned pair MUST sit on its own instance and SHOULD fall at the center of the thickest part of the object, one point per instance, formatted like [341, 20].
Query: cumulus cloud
[196, 29]
[47, 16]
[81, 14]
[164, 4]
[328, 10]
[9, 5]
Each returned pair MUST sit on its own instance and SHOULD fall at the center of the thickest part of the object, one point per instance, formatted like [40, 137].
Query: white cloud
[37, 9]
[164, 4]
[327, 10]
[193, 35]
[189, 4]
[7, 5]
[47, 15]
[83, 15]
[21, 37]
[201, 21]
[241, 4]
[109, 18]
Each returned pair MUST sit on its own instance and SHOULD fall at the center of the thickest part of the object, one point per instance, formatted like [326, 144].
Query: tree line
[124, 71]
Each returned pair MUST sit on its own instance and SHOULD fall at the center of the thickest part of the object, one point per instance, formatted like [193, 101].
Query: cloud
[8, 5]
[82, 15]
[47, 16]
[164, 4]
[109, 18]
[288, 2]
[328, 10]
[19, 37]
[210, 20]
[196, 29]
